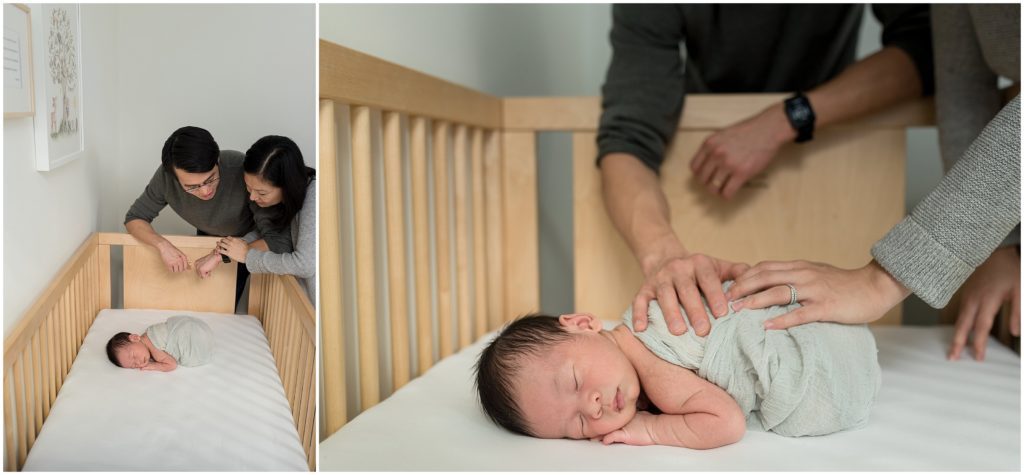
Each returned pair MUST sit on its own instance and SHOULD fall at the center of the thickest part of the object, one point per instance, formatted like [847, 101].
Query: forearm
[638, 209]
[882, 79]
[699, 430]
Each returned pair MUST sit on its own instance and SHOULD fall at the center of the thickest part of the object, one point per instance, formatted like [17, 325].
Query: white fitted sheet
[931, 414]
[230, 414]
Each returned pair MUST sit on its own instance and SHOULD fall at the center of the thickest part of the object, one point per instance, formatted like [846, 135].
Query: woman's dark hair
[502, 360]
[115, 343]
[278, 161]
[190, 149]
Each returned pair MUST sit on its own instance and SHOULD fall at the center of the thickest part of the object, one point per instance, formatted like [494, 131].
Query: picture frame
[59, 110]
[19, 100]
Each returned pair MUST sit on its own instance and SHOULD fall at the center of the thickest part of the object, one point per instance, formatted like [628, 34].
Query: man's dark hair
[278, 161]
[500, 363]
[190, 149]
[116, 342]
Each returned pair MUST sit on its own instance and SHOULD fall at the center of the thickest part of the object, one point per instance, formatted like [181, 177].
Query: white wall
[47, 215]
[539, 50]
[241, 71]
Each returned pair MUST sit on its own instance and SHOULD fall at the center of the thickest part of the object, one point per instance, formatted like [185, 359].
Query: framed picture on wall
[18, 82]
[58, 122]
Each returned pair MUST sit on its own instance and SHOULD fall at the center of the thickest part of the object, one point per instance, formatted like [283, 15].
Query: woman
[961, 230]
[278, 180]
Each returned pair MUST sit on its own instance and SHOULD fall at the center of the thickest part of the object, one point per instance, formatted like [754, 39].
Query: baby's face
[133, 355]
[582, 388]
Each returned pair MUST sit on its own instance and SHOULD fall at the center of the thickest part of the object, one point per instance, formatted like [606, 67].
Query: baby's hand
[636, 432]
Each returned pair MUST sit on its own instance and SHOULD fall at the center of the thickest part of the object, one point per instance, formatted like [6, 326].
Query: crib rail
[418, 165]
[39, 352]
[281, 305]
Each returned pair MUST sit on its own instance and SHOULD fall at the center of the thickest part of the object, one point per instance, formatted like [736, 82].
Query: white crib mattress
[931, 414]
[230, 414]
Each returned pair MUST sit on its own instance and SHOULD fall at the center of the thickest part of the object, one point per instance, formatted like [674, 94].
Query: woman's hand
[234, 248]
[995, 281]
[826, 293]
[637, 431]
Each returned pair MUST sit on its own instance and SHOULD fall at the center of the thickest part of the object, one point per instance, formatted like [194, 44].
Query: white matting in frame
[18, 81]
[58, 122]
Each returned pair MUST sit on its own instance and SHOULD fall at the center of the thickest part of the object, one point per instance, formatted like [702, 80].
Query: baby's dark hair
[115, 343]
[501, 361]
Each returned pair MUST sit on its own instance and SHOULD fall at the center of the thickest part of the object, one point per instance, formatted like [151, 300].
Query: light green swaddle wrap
[812, 379]
[188, 339]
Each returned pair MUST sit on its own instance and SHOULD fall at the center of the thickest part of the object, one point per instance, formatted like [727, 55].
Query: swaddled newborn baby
[181, 340]
[566, 377]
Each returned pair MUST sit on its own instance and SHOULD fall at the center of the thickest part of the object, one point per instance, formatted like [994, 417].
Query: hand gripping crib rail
[429, 236]
[39, 352]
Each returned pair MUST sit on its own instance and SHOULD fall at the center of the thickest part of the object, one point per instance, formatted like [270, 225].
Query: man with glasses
[204, 185]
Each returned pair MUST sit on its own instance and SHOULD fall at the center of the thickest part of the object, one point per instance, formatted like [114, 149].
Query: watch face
[800, 112]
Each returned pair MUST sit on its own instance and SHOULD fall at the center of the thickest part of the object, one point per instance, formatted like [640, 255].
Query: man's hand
[205, 265]
[637, 431]
[730, 157]
[995, 281]
[682, 280]
[826, 293]
[174, 259]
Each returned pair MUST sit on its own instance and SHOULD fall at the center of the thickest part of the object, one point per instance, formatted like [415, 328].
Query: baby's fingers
[613, 437]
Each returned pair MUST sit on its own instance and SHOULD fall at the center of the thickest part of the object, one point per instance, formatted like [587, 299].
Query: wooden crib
[431, 228]
[39, 352]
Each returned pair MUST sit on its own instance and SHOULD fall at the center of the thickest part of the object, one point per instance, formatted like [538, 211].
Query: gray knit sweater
[958, 225]
[302, 262]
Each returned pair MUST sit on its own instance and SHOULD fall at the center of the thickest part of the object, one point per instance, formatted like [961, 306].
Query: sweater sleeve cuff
[920, 263]
[641, 153]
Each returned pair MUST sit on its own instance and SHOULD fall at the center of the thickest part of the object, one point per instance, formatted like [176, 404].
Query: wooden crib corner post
[519, 187]
[103, 268]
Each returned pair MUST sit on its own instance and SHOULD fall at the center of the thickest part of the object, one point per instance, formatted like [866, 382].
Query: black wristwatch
[801, 117]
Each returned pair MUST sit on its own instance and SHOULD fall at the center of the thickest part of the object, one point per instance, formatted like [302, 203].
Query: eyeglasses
[209, 181]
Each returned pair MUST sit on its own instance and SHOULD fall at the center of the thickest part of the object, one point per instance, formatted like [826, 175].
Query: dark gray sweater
[958, 225]
[731, 48]
[228, 213]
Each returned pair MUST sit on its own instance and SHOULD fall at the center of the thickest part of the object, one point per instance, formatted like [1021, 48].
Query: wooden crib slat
[462, 238]
[362, 197]
[442, 239]
[308, 441]
[10, 463]
[522, 277]
[20, 418]
[331, 337]
[38, 400]
[397, 295]
[53, 354]
[421, 242]
[479, 259]
[494, 197]
[44, 372]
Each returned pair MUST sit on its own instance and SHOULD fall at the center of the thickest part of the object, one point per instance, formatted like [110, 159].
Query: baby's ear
[580, 322]
[134, 338]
